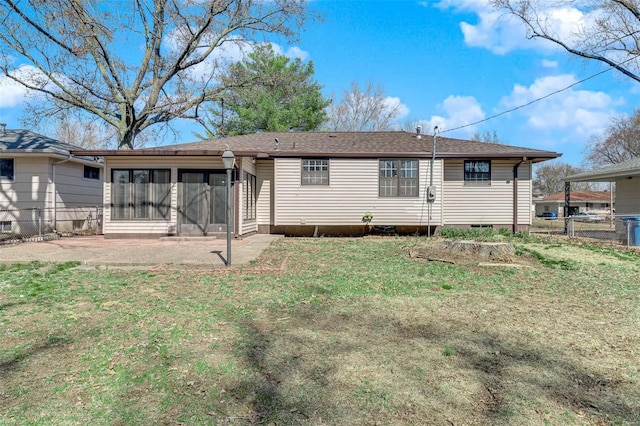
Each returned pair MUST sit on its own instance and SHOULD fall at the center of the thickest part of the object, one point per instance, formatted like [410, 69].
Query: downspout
[515, 194]
[55, 192]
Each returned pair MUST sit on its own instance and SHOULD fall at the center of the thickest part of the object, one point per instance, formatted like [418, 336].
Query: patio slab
[98, 251]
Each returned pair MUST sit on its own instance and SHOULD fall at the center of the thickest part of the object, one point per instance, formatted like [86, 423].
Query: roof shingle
[343, 144]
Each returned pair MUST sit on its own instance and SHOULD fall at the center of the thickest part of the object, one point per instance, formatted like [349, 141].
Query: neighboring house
[581, 201]
[626, 175]
[43, 187]
[304, 183]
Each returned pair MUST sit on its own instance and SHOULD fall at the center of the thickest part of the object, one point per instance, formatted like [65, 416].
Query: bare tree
[620, 142]
[362, 109]
[609, 32]
[487, 136]
[132, 64]
[549, 178]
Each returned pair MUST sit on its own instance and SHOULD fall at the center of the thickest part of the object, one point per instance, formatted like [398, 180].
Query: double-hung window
[140, 194]
[477, 172]
[249, 201]
[315, 172]
[398, 178]
[6, 168]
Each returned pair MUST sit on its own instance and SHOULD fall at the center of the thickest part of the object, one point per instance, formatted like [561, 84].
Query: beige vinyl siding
[33, 188]
[352, 191]
[156, 226]
[247, 164]
[525, 193]
[627, 196]
[73, 189]
[30, 187]
[627, 202]
[265, 184]
[486, 204]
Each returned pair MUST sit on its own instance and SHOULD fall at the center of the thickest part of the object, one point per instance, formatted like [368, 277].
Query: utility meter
[431, 193]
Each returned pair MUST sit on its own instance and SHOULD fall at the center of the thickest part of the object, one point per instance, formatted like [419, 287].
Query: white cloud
[581, 112]
[501, 33]
[13, 94]
[458, 111]
[232, 49]
[394, 102]
[293, 52]
[549, 64]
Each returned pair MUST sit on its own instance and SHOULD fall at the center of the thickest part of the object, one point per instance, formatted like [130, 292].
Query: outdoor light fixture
[228, 161]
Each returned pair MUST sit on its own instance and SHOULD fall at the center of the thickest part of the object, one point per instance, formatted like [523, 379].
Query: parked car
[549, 215]
[587, 217]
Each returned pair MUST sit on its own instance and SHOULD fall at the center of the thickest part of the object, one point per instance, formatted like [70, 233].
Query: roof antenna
[277, 144]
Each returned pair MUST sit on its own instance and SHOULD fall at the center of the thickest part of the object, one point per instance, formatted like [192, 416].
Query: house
[626, 176]
[581, 201]
[43, 187]
[305, 183]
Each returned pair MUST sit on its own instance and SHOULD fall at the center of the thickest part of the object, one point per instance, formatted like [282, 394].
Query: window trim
[399, 179]
[4, 229]
[150, 204]
[476, 182]
[11, 177]
[315, 174]
[249, 208]
[87, 168]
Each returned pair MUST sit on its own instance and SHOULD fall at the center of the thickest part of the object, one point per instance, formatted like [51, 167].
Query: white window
[315, 172]
[477, 172]
[398, 178]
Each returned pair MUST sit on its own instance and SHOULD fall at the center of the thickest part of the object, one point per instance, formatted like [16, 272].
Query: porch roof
[626, 169]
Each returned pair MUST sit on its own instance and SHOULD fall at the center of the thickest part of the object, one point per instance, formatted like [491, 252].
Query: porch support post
[567, 203]
[228, 161]
[228, 220]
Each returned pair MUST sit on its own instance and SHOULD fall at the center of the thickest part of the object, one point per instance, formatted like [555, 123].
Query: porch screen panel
[218, 183]
[192, 193]
[141, 199]
[161, 194]
[120, 198]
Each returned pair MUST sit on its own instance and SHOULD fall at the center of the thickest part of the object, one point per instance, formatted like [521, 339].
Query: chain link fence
[33, 224]
[620, 228]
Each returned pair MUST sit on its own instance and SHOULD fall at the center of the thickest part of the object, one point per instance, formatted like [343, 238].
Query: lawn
[329, 332]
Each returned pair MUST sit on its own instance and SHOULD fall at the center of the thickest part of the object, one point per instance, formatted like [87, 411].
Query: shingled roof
[588, 196]
[342, 144]
[18, 141]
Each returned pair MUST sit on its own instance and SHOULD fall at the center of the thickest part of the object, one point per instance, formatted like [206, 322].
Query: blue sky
[450, 63]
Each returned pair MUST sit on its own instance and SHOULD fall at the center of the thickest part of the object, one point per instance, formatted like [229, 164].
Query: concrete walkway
[98, 251]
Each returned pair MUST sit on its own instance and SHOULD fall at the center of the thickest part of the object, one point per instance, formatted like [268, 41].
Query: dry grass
[328, 331]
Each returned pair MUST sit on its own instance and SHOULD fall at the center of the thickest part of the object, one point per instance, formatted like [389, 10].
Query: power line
[533, 101]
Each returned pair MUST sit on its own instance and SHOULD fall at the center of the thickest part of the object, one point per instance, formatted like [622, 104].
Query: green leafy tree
[267, 92]
[133, 65]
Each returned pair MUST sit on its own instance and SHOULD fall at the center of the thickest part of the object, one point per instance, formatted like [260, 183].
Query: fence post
[39, 212]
